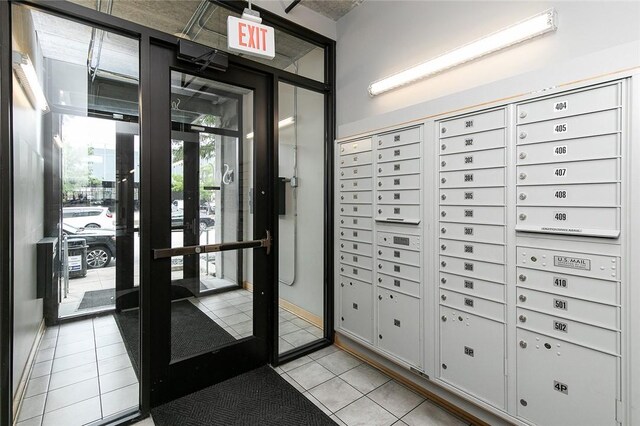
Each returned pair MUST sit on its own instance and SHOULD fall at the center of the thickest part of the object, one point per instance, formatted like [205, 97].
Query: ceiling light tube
[26, 73]
[524, 30]
[285, 122]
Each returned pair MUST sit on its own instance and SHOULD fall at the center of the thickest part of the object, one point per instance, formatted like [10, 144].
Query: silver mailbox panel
[356, 222]
[472, 196]
[400, 137]
[570, 104]
[472, 178]
[565, 385]
[471, 304]
[473, 250]
[395, 269]
[356, 272]
[402, 241]
[356, 260]
[356, 308]
[597, 123]
[580, 310]
[357, 159]
[473, 160]
[409, 287]
[398, 213]
[472, 268]
[595, 221]
[472, 355]
[361, 210]
[399, 325]
[472, 286]
[353, 147]
[473, 142]
[473, 214]
[593, 337]
[408, 257]
[594, 194]
[356, 172]
[356, 197]
[405, 152]
[399, 182]
[356, 247]
[356, 185]
[596, 171]
[564, 262]
[591, 148]
[410, 196]
[564, 284]
[472, 232]
[361, 235]
[400, 167]
[472, 123]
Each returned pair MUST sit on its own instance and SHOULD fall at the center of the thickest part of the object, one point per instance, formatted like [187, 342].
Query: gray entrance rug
[98, 298]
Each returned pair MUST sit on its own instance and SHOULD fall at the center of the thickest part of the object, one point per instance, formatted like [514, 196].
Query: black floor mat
[97, 298]
[258, 397]
[192, 332]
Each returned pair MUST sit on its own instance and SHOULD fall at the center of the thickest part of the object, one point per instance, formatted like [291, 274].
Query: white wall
[379, 38]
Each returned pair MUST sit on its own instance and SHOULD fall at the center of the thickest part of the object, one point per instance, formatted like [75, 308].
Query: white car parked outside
[88, 217]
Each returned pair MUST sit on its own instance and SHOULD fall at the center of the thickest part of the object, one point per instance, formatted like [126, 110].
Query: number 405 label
[560, 128]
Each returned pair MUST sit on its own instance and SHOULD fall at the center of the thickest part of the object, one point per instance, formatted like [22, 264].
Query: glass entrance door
[209, 264]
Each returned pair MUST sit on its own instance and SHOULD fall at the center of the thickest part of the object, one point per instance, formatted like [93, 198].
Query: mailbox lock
[379, 197]
[342, 197]
[341, 173]
[443, 297]
[523, 114]
[379, 266]
[380, 336]
[379, 252]
[443, 147]
[444, 318]
[443, 230]
[443, 263]
[342, 185]
[443, 213]
[523, 344]
[443, 180]
[523, 155]
[341, 245]
[444, 130]
[341, 269]
[522, 176]
[342, 234]
[522, 318]
[443, 280]
[342, 221]
[379, 183]
[523, 135]
[443, 246]
[522, 277]
[342, 149]
[379, 211]
[443, 197]
[379, 279]
[522, 216]
[379, 141]
[522, 298]
[444, 163]
[341, 257]
[523, 402]
[379, 169]
[379, 156]
[523, 196]
[341, 284]
[379, 297]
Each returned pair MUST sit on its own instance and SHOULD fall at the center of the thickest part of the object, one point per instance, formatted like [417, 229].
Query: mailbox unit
[516, 299]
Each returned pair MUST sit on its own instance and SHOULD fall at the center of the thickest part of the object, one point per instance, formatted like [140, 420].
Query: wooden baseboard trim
[438, 400]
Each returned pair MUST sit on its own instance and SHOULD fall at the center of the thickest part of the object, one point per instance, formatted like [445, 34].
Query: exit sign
[251, 38]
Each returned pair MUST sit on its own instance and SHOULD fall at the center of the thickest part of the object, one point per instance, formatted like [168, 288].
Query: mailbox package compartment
[506, 281]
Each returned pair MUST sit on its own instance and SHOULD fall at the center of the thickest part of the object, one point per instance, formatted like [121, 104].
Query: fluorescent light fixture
[281, 124]
[516, 33]
[26, 73]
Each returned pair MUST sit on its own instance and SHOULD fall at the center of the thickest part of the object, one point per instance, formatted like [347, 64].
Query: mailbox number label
[560, 172]
[468, 249]
[468, 284]
[560, 282]
[560, 216]
[468, 266]
[468, 231]
[468, 195]
[468, 142]
[560, 106]
[468, 123]
[561, 387]
[468, 351]
[560, 194]
[468, 177]
[560, 304]
[560, 326]
[468, 213]
[560, 128]
[560, 150]
[468, 302]
[468, 160]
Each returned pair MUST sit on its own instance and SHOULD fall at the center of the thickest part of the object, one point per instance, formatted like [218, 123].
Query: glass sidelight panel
[301, 216]
[211, 189]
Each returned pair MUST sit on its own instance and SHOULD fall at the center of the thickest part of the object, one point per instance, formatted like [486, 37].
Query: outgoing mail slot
[356, 308]
[402, 285]
[356, 197]
[580, 126]
[475, 305]
[361, 235]
[472, 232]
[473, 286]
[472, 178]
[591, 148]
[356, 260]
[399, 325]
[400, 137]
[473, 142]
[597, 171]
[560, 383]
[472, 123]
[568, 307]
[399, 182]
[472, 355]
[356, 172]
[570, 104]
[355, 247]
[472, 196]
[356, 185]
[473, 214]
[472, 268]
[356, 159]
[399, 197]
[356, 272]
[408, 257]
[565, 284]
[397, 168]
[402, 241]
[398, 270]
[472, 250]
[593, 337]
[356, 222]
[398, 213]
[361, 210]
[594, 194]
[584, 264]
[595, 221]
[353, 147]
[473, 160]
[405, 152]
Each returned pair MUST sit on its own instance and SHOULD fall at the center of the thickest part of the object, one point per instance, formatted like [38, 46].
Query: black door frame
[144, 35]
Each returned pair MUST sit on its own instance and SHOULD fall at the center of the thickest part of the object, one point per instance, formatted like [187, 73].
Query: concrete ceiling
[333, 9]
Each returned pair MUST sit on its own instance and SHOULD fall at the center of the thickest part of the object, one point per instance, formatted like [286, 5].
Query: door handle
[213, 248]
